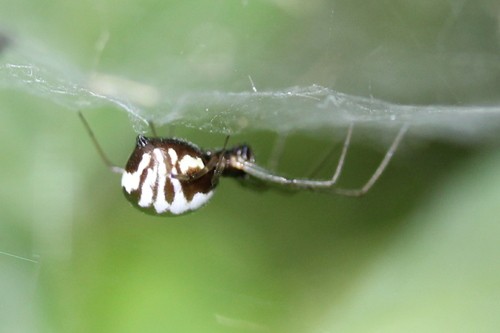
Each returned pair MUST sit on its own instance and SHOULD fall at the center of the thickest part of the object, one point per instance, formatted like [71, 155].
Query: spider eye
[245, 152]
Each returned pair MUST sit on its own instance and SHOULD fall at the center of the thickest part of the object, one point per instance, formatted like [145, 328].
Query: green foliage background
[418, 253]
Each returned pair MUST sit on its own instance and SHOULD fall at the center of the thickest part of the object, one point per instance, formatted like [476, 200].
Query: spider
[168, 176]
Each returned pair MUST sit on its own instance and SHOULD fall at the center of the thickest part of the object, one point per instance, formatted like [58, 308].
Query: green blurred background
[419, 253]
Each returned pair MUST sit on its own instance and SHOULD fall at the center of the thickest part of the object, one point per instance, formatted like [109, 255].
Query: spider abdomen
[157, 177]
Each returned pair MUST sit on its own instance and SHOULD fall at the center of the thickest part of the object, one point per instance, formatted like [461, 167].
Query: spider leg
[103, 155]
[265, 175]
[219, 167]
[169, 130]
[216, 162]
[277, 151]
[380, 169]
[340, 163]
[153, 129]
[343, 154]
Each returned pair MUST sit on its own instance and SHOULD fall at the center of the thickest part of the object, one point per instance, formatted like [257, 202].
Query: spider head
[240, 153]
[234, 158]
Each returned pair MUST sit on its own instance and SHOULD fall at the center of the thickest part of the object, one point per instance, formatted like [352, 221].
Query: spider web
[376, 36]
[314, 109]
